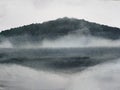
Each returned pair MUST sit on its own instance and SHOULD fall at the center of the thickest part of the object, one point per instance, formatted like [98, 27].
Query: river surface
[60, 69]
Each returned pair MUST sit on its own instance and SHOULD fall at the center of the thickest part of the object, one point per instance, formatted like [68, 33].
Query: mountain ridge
[60, 27]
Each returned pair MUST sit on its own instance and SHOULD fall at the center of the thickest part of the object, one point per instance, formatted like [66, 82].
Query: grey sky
[14, 13]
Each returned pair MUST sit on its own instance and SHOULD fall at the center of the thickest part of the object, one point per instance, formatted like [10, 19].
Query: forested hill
[57, 28]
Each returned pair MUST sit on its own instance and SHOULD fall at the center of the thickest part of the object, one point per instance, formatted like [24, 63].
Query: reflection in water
[60, 69]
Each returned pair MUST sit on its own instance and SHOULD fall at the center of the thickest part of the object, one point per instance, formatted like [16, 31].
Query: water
[60, 69]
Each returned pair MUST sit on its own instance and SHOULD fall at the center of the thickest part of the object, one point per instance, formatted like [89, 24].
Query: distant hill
[52, 30]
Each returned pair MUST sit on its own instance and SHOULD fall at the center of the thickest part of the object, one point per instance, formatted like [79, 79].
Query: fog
[6, 44]
[16, 77]
[63, 69]
[100, 77]
[68, 41]
[72, 41]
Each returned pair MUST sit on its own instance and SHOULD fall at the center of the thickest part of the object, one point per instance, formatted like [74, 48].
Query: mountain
[52, 30]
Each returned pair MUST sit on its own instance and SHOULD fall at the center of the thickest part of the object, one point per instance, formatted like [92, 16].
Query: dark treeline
[58, 28]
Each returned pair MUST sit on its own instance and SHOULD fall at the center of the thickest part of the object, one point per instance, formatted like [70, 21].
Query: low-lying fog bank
[70, 41]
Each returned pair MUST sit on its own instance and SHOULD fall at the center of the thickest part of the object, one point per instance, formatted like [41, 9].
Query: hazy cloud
[15, 13]
[111, 0]
[2, 10]
[41, 3]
